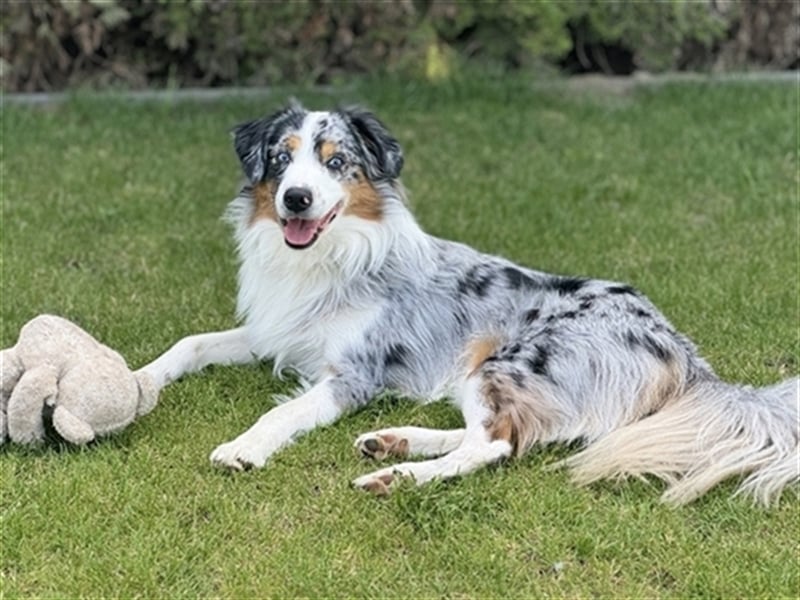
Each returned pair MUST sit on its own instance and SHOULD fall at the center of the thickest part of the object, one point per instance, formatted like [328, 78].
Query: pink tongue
[300, 232]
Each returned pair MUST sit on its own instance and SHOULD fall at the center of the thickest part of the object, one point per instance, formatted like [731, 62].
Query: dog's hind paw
[377, 483]
[380, 444]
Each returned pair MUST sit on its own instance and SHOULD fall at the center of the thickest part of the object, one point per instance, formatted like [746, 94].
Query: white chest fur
[302, 316]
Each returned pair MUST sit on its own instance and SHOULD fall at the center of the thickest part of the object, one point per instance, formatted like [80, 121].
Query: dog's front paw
[380, 444]
[239, 455]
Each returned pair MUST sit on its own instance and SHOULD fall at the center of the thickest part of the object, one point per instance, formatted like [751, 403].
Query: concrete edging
[589, 81]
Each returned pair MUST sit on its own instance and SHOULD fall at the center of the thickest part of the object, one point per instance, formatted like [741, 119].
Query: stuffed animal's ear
[384, 157]
[252, 139]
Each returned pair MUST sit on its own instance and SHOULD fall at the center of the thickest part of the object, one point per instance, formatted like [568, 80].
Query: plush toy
[58, 372]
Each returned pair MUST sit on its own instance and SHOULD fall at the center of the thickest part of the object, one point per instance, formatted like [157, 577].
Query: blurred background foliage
[60, 44]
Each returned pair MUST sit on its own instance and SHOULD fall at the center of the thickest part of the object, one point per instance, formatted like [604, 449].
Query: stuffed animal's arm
[36, 387]
[10, 372]
[148, 393]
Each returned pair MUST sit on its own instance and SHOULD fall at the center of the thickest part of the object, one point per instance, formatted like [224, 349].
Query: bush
[657, 35]
[56, 44]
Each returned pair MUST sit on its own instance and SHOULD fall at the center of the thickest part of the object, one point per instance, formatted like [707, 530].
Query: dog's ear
[382, 151]
[251, 140]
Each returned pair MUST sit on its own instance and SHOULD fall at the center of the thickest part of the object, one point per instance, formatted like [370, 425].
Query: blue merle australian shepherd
[340, 284]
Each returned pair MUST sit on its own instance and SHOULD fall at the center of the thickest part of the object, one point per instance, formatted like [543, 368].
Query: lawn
[111, 217]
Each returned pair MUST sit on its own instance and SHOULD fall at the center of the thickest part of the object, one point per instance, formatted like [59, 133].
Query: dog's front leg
[318, 406]
[192, 353]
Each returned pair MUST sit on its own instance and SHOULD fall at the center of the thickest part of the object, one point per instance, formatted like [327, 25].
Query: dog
[339, 283]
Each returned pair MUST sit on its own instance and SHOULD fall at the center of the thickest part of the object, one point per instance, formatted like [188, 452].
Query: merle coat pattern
[339, 283]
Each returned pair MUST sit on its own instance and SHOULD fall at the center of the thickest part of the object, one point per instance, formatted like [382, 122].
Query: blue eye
[283, 157]
[335, 163]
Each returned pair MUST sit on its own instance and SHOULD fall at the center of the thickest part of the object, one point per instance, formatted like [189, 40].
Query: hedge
[58, 44]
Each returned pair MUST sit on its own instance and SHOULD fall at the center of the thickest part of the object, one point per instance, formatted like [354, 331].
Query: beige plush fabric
[88, 385]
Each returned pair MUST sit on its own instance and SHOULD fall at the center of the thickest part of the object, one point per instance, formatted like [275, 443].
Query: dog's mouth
[302, 233]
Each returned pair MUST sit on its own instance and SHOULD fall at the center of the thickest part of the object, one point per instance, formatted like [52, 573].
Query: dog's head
[306, 168]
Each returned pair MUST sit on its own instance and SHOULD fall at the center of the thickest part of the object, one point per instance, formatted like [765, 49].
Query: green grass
[111, 218]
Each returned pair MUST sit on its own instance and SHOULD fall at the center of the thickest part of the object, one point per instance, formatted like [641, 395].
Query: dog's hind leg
[508, 404]
[476, 449]
[402, 442]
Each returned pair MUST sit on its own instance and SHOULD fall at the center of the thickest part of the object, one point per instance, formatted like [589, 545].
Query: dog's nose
[297, 199]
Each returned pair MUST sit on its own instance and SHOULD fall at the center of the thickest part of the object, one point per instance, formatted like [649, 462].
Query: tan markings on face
[293, 143]
[363, 201]
[520, 416]
[264, 199]
[326, 150]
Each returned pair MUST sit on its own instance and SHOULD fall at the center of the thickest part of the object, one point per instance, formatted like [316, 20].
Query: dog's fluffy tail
[712, 432]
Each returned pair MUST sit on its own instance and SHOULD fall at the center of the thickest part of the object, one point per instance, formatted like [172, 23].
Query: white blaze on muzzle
[302, 228]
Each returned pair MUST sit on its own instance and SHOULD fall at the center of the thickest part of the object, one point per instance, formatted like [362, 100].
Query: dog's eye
[283, 157]
[335, 163]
